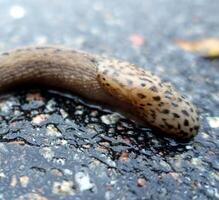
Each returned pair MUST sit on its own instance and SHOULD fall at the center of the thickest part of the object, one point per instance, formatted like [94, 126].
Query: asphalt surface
[54, 146]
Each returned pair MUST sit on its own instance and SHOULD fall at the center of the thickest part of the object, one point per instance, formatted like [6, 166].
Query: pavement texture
[55, 146]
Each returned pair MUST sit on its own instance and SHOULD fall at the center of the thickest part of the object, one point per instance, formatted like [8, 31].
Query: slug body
[104, 80]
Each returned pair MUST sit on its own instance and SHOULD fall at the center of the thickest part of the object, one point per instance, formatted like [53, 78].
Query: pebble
[110, 118]
[47, 153]
[13, 181]
[51, 130]
[63, 188]
[213, 122]
[141, 182]
[63, 113]
[39, 119]
[83, 181]
[50, 106]
[24, 180]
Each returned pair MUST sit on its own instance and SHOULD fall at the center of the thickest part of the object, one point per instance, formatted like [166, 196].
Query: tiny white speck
[213, 122]
[17, 12]
[41, 40]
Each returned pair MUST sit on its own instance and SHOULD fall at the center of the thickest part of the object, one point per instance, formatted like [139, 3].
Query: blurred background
[97, 166]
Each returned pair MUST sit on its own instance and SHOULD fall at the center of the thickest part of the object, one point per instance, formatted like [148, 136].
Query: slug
[103, 80]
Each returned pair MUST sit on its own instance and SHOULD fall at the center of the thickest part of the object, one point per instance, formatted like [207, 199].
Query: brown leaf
[208, 47]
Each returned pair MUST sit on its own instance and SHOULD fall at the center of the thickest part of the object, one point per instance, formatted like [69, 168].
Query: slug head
[157, 104]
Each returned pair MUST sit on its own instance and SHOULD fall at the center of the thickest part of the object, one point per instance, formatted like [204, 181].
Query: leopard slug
[103, 80]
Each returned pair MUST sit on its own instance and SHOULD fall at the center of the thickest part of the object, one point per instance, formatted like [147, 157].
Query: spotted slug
[104, 80]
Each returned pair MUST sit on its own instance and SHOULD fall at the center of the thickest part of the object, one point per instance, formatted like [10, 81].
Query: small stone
[79, 112]
[110, 119]
[141, 182]
[188, 147]
[124, 156]
[56, 172]
[13, 181]
[63, 113]
[53, 131]
[64, 188]
[83, 180]
[39, 119]
[59, 161]
[3, 148]
[94, 113]
[204, 135]
[213, 122]
[198, 163]
[67, 172]
[6, 106]
[50, 106]
[47, 153]
[24, 180]
[2, 175]
[165, 165]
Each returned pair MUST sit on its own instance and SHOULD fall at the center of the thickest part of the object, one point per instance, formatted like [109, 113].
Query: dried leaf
[208, 47]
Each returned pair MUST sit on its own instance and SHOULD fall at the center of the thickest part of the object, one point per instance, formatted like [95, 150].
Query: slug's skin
[108, 81]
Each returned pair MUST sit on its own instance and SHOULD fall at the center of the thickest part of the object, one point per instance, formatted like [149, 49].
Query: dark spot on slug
[176, 115]
[165, 111]
[179, 126]
[115, 74]
[149, 104]
[184, 133]
[145, 79]
[157, 98]
[179, 99]
[164, 120]
[154, 89]
[140, 95]
[143, 84]
[130, 82]
[169, 125]
[161, 104]
[105, 71]
[185, 113]
[153, 114]
[160, 85]
[186, 122]
[187, 103]
[174, 104]
[93, 60]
